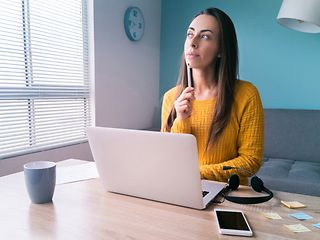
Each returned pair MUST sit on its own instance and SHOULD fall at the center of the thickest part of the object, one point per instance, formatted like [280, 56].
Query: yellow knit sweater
[241, 142]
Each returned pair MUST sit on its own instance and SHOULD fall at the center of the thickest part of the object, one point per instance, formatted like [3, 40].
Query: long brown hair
[226, 70]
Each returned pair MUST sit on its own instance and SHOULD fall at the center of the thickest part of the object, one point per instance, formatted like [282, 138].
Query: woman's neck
[204, 84]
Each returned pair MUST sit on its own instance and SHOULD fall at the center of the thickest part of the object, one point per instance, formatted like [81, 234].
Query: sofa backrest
[292, 134]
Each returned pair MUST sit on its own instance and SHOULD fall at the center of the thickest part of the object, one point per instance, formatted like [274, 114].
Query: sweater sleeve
[167, 104]
[178, 126]
[249, 144]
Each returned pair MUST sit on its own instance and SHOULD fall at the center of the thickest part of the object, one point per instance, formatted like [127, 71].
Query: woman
[224, 113]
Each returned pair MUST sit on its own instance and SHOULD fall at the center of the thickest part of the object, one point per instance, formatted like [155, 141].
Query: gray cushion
[291, 176]
[292, 134]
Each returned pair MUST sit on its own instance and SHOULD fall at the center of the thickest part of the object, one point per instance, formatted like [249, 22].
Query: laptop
[153, 165]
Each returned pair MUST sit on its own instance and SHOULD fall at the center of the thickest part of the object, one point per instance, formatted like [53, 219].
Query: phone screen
[232, 220]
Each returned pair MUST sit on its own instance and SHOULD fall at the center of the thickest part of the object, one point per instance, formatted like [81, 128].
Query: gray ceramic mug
[40, 179]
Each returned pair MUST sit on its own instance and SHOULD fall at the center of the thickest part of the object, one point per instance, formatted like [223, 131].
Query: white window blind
[44, 75]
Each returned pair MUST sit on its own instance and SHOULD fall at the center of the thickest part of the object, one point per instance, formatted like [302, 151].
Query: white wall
[127, 73]
[15, 164]
[126, 77]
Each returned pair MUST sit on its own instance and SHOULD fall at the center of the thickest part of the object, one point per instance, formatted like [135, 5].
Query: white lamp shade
[300, 15]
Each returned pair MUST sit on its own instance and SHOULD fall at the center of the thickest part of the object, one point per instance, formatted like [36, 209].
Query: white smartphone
[232, 222]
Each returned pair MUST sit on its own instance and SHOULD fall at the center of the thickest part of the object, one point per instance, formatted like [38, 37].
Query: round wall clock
[134, 23]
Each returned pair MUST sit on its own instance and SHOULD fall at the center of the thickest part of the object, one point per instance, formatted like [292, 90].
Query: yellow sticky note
[293, 204]
[272, 215]
[297, 228]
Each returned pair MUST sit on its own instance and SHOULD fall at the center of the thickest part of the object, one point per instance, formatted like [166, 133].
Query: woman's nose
[194, 43]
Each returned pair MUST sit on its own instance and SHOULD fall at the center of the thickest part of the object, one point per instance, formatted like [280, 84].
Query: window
[44, 75]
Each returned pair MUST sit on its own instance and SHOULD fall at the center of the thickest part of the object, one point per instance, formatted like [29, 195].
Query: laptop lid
[152, 165]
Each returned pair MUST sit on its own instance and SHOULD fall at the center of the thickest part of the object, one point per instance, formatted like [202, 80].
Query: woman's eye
[189, 34]
[204, 36]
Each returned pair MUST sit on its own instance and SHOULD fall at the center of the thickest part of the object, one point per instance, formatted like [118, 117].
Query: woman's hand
[183, 103]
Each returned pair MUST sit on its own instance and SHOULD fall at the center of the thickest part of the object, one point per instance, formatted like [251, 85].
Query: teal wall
[283, 64]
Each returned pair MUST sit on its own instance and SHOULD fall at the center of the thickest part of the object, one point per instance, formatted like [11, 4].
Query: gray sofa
[292, 151]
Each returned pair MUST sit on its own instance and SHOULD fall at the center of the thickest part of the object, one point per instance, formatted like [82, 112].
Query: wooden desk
[82, 210]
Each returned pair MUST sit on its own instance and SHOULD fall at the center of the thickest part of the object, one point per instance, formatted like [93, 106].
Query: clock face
[134, 23]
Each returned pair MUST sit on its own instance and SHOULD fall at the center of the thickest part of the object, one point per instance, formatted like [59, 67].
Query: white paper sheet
[75, 173]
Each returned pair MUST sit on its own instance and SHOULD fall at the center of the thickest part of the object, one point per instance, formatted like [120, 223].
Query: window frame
[50, 91]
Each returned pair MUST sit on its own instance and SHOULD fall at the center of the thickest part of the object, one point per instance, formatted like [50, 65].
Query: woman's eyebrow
[206, 30]
[201, 31]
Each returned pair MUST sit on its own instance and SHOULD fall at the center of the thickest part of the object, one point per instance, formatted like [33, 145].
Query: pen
[189, 70]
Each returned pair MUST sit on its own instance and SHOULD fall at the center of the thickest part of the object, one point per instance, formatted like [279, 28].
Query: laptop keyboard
[204, 193]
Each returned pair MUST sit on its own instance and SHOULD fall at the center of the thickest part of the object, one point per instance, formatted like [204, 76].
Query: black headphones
[256, 184]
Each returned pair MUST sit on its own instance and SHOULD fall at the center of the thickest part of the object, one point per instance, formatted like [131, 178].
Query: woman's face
[202, 42]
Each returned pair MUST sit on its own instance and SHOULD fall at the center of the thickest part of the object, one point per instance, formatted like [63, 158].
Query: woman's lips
[191, 55]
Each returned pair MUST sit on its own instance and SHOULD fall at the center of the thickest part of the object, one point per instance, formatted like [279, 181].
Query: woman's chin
[193, 64]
